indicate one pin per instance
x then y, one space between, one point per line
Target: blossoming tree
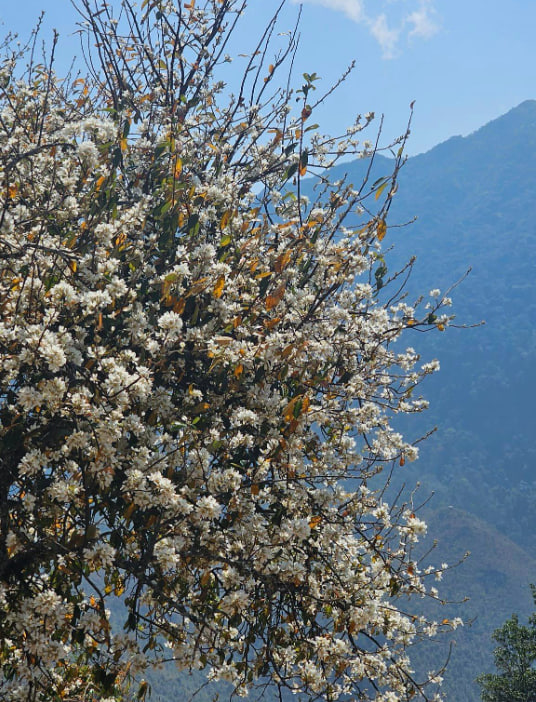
198 373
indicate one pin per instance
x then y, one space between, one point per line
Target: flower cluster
198 372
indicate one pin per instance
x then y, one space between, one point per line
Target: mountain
473 200
475 206
494 582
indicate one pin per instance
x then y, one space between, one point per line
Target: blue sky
464 62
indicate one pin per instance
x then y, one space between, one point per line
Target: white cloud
391 26
423 22
386 37
353 9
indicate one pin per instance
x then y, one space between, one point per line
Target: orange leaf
306 112
273 300
98 184
315 521
282 261
271 323
179 306
238 370
218 288
287 351
381 230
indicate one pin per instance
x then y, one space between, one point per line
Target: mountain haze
474 200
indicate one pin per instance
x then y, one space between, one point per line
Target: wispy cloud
422 19
353 9
397 21
387 37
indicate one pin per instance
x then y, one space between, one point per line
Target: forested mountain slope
474 200
475 203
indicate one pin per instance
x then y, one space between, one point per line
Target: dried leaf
282 261
381 230
218 288
273 300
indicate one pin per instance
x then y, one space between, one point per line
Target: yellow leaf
380 190
120 239
123 144
73 266
218 288
98 184
13 190
381 230
224 221
315 521
441 327
285 225
178 167
238 370
166 287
